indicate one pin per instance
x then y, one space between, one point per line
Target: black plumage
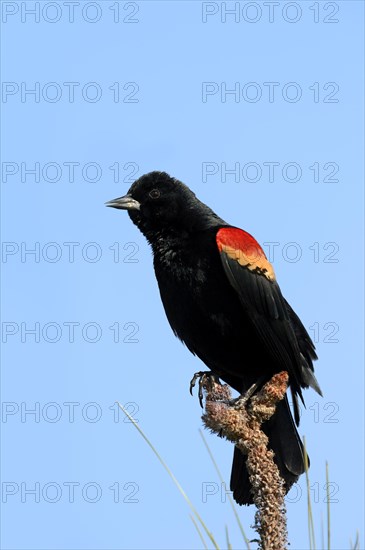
222 300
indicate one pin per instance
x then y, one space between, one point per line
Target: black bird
222 300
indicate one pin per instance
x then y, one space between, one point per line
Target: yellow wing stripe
253 259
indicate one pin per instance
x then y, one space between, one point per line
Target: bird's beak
124 203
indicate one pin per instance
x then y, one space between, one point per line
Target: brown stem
240 422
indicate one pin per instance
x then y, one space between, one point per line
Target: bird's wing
252 276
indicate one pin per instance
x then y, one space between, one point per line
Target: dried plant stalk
240 421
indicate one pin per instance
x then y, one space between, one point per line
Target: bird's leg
243 399
202 376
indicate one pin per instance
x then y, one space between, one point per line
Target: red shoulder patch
242 247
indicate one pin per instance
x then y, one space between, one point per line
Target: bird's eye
154 194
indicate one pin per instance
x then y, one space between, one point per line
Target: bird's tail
284 440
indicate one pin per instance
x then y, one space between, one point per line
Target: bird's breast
179 262
193 286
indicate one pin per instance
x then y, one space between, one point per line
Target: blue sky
260 112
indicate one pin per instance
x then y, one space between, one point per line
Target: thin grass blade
229 545
312 540
182 492
247 542
199 532
328 509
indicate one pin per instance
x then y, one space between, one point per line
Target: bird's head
157 202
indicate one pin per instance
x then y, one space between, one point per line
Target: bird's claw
199 375
203 376
243 399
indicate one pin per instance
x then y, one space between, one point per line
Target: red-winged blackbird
222 300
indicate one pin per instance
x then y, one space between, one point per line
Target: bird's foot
242 400
204 377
